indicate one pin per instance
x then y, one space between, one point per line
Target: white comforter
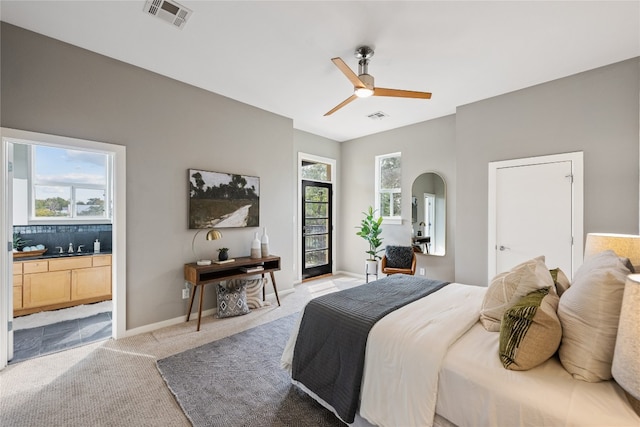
404 353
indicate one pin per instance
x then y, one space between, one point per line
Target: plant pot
371 266
223 255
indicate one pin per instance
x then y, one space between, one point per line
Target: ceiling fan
363 81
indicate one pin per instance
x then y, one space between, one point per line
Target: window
313 171
69 184
388 187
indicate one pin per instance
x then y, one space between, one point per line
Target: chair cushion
399 256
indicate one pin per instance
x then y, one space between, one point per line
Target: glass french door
316 229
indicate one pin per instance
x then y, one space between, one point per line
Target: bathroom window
69 184
388 187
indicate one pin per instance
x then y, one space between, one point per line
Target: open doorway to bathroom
67 277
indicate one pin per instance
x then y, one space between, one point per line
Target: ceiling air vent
378 115
169 11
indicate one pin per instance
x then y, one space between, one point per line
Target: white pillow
507 288
589 312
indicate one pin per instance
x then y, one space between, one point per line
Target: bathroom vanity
50 283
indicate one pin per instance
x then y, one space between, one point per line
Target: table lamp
211 235
626 357
624 245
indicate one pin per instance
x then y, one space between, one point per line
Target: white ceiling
276 55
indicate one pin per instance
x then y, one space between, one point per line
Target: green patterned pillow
232 301
560 280
530 331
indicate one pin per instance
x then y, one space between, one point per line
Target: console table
201 275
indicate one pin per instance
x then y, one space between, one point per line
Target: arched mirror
428 214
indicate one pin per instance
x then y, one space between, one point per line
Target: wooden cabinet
91 282
41 285
40 289
17 285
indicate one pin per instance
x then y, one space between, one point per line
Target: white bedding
434 356
475 390
412 340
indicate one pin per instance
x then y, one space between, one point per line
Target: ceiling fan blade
353 77
342 104
380 91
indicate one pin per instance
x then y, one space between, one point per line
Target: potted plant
223 254
18 242
370 231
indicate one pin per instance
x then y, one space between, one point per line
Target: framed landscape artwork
223 200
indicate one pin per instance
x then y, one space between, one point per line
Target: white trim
6 266
577 201
119 258
297 244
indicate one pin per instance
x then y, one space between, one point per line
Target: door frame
297 244
577 204
118 272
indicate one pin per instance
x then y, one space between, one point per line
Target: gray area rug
237 381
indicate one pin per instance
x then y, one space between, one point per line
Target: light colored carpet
115 383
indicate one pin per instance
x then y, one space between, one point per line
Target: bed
432 362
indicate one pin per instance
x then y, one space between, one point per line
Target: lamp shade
626 357
211 235
624 245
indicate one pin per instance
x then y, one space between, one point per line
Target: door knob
503 248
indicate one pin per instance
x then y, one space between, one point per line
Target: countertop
62 255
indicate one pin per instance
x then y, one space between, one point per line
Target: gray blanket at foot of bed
328 357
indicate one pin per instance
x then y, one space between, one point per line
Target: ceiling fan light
363 92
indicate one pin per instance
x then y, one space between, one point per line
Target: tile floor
34 342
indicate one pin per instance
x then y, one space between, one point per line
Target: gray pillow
399 256
232 301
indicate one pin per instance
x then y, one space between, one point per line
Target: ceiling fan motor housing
367 79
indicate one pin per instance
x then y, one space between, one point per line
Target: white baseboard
181 319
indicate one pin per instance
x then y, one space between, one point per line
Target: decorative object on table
18 242
370 231
223 254
211 235
223 200
96 246
264 243
256 251
232 299
624 245
626 356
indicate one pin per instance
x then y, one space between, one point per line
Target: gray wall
595 112
168 127
425 147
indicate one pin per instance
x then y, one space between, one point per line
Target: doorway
316 229
536 208
118 206
316 212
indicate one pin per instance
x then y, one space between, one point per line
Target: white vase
264 246
255 247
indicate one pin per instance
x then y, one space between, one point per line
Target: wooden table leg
275 289
193 294
200 306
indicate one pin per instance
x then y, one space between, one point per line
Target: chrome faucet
70 248
61 251
80 248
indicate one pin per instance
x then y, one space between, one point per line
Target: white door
535 213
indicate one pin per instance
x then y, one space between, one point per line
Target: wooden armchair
398 259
